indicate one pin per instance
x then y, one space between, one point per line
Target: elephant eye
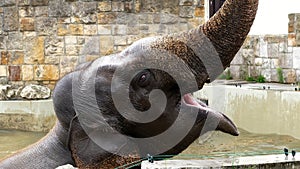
144 78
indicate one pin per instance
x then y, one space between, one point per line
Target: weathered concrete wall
264 54
42 40
254 162
257 111
27 115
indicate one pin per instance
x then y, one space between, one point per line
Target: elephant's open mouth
211 117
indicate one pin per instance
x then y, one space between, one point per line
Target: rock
33 92
3 91
68 166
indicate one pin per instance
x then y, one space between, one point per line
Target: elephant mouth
224 123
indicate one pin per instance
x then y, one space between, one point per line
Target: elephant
120 108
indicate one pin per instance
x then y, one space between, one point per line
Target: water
218 145
13 140
221 145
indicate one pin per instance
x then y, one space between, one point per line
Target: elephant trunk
229 27
209 49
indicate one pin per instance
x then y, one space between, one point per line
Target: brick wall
42 40
264 54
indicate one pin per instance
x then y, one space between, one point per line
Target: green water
13 140
221 145
217 145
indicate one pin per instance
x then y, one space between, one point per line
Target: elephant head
120 108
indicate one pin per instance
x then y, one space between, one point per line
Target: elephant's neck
50 152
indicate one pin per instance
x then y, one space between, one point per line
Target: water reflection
13 140
219 145
224 145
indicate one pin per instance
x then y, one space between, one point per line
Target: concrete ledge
36 115
262 162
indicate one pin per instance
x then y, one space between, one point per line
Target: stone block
121 18
39 2
286 60
273 50
106 45
298 75
258 61
82 9
137 6
76 29
104 29
7 3
186 11
3 71
132 19
34 50
46 72
89 19
27 72
296 58
247 53
2 42
290 76
263 52
235 72
298 39
23 2
68 64
146 18
105 6
120 40
14 41
58 8
26 24
14 73
5 55
153 6
133 30
118 6
71 40
62 30
199 12
54 46
91 46
90 29
267 73
41 11
52 59
106 18
292 39
73 50
170 7
119 29
168 19
17 58
186 2
46 26
10 19
26 11
129 6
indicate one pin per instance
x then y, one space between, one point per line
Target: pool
13 140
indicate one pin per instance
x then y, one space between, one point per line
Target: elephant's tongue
225 124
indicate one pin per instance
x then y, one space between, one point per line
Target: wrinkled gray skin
226 31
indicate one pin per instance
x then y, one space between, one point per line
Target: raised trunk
210 48
48 153
229 27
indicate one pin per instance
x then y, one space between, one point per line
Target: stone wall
265 54
42 40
